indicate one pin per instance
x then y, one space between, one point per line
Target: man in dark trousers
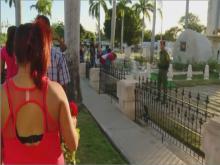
92 52
163 66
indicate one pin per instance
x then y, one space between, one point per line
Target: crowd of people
35 111
97 54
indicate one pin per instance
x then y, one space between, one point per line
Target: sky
172 11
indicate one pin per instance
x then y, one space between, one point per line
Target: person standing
36 113
163 65
7 56
92 52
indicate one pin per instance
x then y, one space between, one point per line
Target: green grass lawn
180 80
94 146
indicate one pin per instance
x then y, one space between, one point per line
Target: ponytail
33 47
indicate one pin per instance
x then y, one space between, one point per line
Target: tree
132 27
17 4
3 38
171 34
58 31
143 7
193 23
121 9
94 11
72 40
147 35
43 7
113 24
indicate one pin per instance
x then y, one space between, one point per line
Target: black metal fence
109 76
174 113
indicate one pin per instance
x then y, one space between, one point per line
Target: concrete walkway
136 143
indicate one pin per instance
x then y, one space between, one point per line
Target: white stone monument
170 73
206 73
148 71
189 72
127 52
192 47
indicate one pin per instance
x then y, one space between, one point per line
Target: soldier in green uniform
163 66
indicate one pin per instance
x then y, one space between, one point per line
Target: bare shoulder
55 90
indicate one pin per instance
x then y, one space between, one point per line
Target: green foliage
144 7
3 38
94 7
85 34
180 66
43 7
132 27
58 31
171 34
147 35
140 59
193 23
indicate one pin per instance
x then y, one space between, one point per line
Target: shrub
140 59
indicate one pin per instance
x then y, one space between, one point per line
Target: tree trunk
122 30
187 14
17 12
99 25
72 40
113 25
153 33
143 29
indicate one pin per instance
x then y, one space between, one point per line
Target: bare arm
67 124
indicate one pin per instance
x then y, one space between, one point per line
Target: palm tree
72 35
113 24
94 11
121 9
187 14
144 7
17 4
43 7
153 28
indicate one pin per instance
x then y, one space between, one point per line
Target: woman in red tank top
7 54
35 113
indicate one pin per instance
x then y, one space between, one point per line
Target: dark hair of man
10 40
44 18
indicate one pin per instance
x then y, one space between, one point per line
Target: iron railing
109 76
173 113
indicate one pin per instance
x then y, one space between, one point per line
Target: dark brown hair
32 47
10 40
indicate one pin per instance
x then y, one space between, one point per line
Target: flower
74 109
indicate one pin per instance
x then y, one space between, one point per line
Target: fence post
82 69
170 73
211 142
206 73
189 72
126 95
94 75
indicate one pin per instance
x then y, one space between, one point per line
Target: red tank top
48 151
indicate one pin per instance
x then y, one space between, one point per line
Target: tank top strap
12 114
45 90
